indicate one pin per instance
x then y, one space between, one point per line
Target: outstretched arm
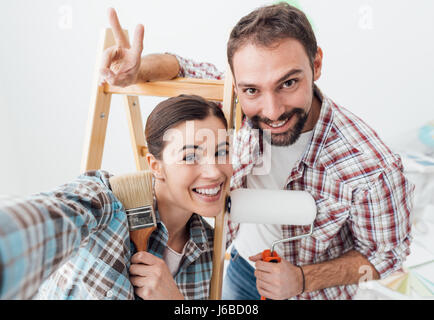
38 234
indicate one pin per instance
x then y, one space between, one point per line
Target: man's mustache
285 116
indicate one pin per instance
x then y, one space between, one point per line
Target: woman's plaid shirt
73 243
363 199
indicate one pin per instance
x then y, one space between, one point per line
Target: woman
77 235
191 175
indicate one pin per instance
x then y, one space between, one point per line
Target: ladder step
208 89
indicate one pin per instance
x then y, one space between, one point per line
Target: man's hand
277 281
152 279
121 63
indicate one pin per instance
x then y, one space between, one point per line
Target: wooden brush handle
140 238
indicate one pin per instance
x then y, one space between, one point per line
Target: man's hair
269 24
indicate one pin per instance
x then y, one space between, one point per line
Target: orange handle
267 256
140 238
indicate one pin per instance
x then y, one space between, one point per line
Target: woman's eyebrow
190 147
225 143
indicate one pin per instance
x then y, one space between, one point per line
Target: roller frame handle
272 257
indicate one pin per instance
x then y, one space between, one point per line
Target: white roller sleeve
289 207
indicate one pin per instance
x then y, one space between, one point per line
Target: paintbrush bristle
134 190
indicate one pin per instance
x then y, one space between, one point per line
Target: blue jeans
240 281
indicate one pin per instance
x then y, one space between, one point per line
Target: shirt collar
320 131
198 232
198 237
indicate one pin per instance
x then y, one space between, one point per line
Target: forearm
348 269
154 67
40 233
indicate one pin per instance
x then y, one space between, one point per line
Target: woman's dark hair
174 111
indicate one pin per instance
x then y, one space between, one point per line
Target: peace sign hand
121 62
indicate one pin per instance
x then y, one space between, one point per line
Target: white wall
377 62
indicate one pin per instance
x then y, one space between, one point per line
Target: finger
264 277
265 266
108 55
139 35
118 33
102 80
256 257
145 258
106 74
138 281
265 290
142 292
138 269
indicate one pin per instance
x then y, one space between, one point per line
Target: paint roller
263 206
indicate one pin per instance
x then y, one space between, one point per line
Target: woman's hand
152 279
121 62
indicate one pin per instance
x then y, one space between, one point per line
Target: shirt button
109 294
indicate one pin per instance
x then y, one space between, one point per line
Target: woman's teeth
278 124
209 192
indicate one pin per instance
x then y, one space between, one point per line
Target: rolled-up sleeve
381 220
40 232
189 68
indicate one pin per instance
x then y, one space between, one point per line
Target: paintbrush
134 191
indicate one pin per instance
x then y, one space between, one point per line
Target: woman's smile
208 193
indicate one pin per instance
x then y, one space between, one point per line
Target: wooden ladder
216 90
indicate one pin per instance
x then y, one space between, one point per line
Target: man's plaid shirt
363 199
73 243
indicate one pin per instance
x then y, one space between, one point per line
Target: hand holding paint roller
275 207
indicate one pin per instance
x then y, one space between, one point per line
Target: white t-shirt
173 258
255 238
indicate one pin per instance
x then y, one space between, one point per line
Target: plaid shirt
363 198
73 243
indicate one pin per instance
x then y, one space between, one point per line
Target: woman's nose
210 170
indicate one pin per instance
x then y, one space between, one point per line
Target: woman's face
196 167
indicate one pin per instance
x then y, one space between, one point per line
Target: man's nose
272 107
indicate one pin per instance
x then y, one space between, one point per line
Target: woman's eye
222 153
289 83
190 158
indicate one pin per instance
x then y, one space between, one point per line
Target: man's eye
250 91
289 83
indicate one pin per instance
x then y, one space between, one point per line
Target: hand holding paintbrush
135 192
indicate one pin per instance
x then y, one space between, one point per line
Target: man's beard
285 138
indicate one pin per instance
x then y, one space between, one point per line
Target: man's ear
155 166
234 84
317 64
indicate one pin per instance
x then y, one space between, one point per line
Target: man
362 230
